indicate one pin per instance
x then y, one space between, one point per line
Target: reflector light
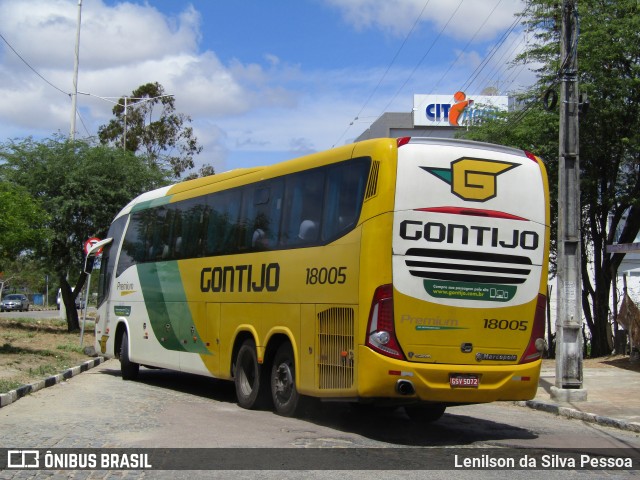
532 353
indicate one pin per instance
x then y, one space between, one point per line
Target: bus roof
234 177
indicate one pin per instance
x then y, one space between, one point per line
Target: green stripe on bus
156 202
167 308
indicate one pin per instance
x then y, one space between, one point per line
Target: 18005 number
323 275
495 324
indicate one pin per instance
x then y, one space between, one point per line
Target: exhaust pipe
405 387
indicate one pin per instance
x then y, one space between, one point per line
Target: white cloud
121 47
398 16
269 106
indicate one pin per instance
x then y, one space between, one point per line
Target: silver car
15 302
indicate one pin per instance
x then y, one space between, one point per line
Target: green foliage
24 273
8 385
70 347
165 137
21 222
81 187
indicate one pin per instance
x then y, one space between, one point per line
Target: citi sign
455 110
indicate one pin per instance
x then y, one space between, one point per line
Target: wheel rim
246 376
283 383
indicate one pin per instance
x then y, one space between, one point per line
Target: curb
13 395
578 415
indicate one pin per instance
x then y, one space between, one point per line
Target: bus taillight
403 141
536 342
381 335
531 156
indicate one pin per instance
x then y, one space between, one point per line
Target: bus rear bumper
380 377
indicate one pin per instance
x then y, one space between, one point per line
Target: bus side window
156 229
222 228
135 243
303 208
263 207
344 195
108 263
189 243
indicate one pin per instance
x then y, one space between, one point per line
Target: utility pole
568 385
76 62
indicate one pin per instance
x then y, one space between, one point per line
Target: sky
263 81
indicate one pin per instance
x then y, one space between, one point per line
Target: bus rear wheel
250 389
284 393
128 368
425 413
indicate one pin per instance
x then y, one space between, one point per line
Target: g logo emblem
472 179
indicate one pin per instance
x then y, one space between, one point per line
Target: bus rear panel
463 318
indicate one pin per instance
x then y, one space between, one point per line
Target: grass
33 349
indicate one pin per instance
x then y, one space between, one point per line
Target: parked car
15 302
79 299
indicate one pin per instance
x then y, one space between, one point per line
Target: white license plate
464 381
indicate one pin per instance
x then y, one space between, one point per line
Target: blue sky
263 81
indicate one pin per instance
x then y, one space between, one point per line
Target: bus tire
286 399
128 368
425 413
250 389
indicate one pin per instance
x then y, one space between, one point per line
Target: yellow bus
407 272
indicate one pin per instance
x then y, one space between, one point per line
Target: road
40 314
164 409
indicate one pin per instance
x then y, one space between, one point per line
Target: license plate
464 381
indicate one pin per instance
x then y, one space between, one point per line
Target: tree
24 273
609 74
21 222
81 187
204 171
165 138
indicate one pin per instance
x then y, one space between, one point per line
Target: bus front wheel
286 398
128 368
250 390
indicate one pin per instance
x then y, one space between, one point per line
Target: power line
466 46
489 56
384 75
496 70
30 67
393 59
404 84
569 58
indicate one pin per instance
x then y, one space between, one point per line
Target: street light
140 100
74 95
126 105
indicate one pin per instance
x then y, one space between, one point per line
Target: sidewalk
613 393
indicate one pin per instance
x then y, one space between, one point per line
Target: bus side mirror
93 252
88 263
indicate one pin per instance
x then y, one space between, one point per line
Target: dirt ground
31 350
611 361
618 361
